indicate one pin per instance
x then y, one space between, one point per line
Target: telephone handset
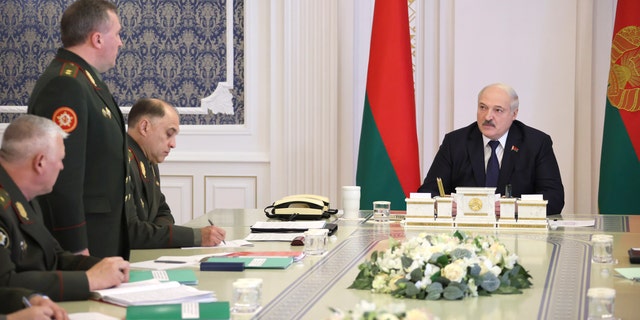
300 207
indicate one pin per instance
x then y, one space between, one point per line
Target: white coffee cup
351 202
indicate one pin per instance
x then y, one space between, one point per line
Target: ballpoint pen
211 223
26 302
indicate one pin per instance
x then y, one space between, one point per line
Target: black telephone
300 207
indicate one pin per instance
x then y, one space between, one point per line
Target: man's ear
144 126
38 163
96 39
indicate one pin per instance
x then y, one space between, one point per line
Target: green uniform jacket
29 255
151 224
12 299
86 207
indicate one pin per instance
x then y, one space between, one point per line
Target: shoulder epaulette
69 69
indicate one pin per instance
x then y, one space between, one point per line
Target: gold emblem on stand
475 204
21 210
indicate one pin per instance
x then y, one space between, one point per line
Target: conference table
559 261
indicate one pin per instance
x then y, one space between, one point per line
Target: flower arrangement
445 266
368 311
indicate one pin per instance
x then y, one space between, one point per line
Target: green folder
208 310
184 276
257 262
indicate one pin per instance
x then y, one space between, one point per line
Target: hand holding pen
212 236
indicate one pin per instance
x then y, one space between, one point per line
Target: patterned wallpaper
176 50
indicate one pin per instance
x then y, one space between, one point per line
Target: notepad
208 310
257 262
184 276
152 292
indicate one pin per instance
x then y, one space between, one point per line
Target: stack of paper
152 292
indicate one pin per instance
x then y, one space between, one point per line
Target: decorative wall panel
187 52
230 192
178 192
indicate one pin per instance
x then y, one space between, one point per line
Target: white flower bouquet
443 266
369 311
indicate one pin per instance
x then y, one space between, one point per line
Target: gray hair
28 135
515 102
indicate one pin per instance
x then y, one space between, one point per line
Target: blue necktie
493 167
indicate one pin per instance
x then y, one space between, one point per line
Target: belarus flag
620 160
388 164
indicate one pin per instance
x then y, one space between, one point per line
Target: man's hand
212 236
109 272
44 304
35 313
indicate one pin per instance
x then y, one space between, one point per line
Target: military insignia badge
22 211
93 82
143 171
4 238
106 112
65 118
5 199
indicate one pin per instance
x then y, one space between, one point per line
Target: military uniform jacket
30 257
86 207
151 224
12 299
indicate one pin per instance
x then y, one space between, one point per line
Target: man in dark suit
153 127
524 155
30 161
85 211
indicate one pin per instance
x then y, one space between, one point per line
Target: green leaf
460 235
508 290
411 289
416 274
361 284
434 291
452 293
406 262
460 253
474 270
489 282
442 261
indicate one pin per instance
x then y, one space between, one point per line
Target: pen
26 302
211 223
168 261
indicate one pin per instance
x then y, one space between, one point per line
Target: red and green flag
388 163
620 160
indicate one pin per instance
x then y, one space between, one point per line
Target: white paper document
152 292
268 236
227 244
572 223
90 316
